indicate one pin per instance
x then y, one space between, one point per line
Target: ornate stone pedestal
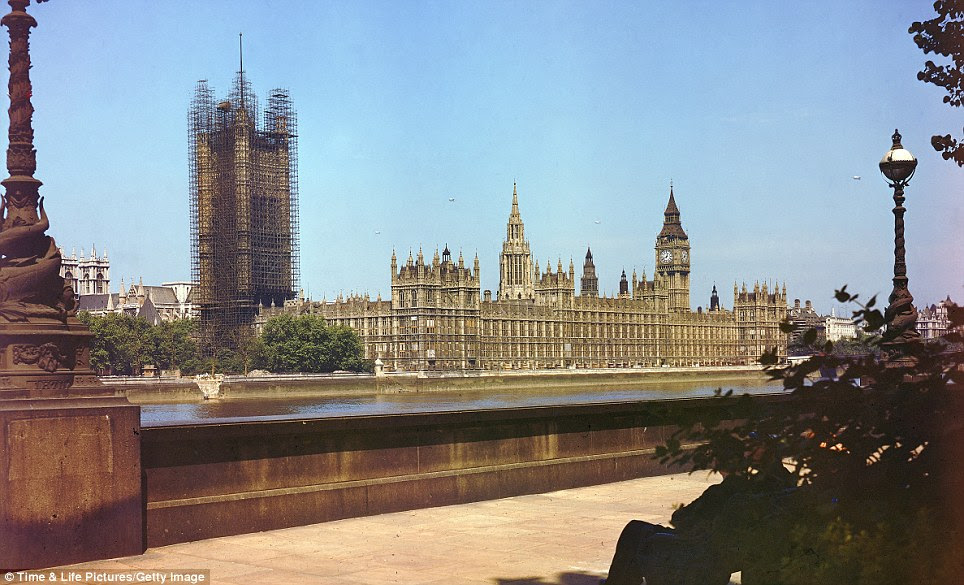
70 481
47 361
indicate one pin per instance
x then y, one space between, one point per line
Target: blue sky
760 114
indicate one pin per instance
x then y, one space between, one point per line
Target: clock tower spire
673 257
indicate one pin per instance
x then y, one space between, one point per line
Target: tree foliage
307 344
944 35
874 451
120 343
124 344
173 345
863 344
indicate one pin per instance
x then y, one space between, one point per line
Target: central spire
672 228
241 66
515 274
515 201
515 229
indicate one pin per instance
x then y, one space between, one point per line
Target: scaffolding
244 209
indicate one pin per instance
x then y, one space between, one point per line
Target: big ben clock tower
673 258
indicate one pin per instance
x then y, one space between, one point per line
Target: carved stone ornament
80 359
46 356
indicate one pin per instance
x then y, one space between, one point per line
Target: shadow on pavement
561 579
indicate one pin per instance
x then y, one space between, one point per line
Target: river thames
229 410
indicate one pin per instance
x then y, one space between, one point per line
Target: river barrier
231 477
234 465
174 390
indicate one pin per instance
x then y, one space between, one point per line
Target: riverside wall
159 390
222 478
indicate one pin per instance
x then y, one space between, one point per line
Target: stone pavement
559 538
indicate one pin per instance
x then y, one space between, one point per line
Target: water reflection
319 407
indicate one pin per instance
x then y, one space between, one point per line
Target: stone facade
437 319
837 328
87 275
168 302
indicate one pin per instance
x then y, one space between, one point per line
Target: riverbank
167 390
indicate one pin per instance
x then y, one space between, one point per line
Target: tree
944 36
172 345
120 344
875 466
307 344
863 344
248 354
123 344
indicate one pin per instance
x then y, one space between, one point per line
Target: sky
762 115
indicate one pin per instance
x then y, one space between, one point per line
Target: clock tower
673 258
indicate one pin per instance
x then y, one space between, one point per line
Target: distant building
168 302
837 328
87 275
803 318
437 319
624 285
932 321
589 285
714 300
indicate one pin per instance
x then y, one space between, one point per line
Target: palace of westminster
245 267
439 319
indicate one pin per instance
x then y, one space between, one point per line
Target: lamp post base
47 360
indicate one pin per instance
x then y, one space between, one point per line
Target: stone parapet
70 481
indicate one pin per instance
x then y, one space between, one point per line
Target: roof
672 228
161 295
95 302
149 313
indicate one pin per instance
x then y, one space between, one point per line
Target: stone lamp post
70 469
898 167
44 349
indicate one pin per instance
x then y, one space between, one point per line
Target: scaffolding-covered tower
244 209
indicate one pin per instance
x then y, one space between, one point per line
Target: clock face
665 256
684 255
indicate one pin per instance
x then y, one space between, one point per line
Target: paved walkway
559 538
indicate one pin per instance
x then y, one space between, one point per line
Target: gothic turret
515 263
589 286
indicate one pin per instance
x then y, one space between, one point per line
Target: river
229 410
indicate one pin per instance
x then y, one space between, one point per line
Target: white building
838 328
932 321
